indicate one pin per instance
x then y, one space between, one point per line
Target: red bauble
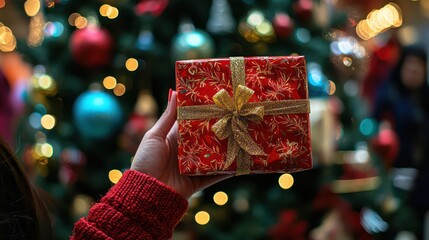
91 47
283 25
153 7
72 162
303 9
386 145
134 131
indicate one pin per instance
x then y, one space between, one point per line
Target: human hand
157 155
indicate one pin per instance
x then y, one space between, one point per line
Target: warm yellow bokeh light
48 121
38 150
47 150
202 217
255 18
286 181
220 198
379 20
32 7
7 39
112 13
103 9
109 82
45 82
81 22
265 28
119 89
72 18
332 87
115 175
2 3
131 64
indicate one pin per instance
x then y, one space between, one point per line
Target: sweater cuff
137 194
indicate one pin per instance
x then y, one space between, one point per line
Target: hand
157 155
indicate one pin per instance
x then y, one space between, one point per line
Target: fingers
174 131
172 145
163 126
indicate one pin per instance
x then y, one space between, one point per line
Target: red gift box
243 115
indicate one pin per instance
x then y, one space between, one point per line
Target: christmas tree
102 68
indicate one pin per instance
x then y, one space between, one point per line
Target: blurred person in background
403 102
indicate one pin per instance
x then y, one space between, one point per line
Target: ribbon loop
241 96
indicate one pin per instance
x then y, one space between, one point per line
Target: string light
46 150
72 18
379 20
131 64
332 87
119 90
108 11
32 7
109 82
202 217
103 9
220 198
112 13
47 121
286 181
7 39
81 22
115 175
45 81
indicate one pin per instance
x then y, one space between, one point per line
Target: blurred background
81 81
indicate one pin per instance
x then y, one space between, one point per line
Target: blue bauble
96 114
192 44
318 84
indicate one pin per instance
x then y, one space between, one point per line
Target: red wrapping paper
284 138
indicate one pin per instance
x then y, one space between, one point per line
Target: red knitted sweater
137 207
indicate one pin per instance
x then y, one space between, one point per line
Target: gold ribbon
234 113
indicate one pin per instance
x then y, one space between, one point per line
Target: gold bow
234 112
234 127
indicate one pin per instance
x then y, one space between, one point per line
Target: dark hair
23 215
415 51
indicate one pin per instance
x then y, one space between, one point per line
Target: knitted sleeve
137 207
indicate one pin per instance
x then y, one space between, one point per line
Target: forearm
137 207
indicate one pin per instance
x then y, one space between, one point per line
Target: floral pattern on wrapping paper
284 138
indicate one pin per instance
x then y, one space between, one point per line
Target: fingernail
169 94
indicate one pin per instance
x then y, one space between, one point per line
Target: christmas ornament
153 7
303 9
91 47
289 227
220 20
96 114
134 130
192 43
318 83
386 145
72 162
283 25
255 27
143 118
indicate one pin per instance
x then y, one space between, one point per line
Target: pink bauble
283 25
